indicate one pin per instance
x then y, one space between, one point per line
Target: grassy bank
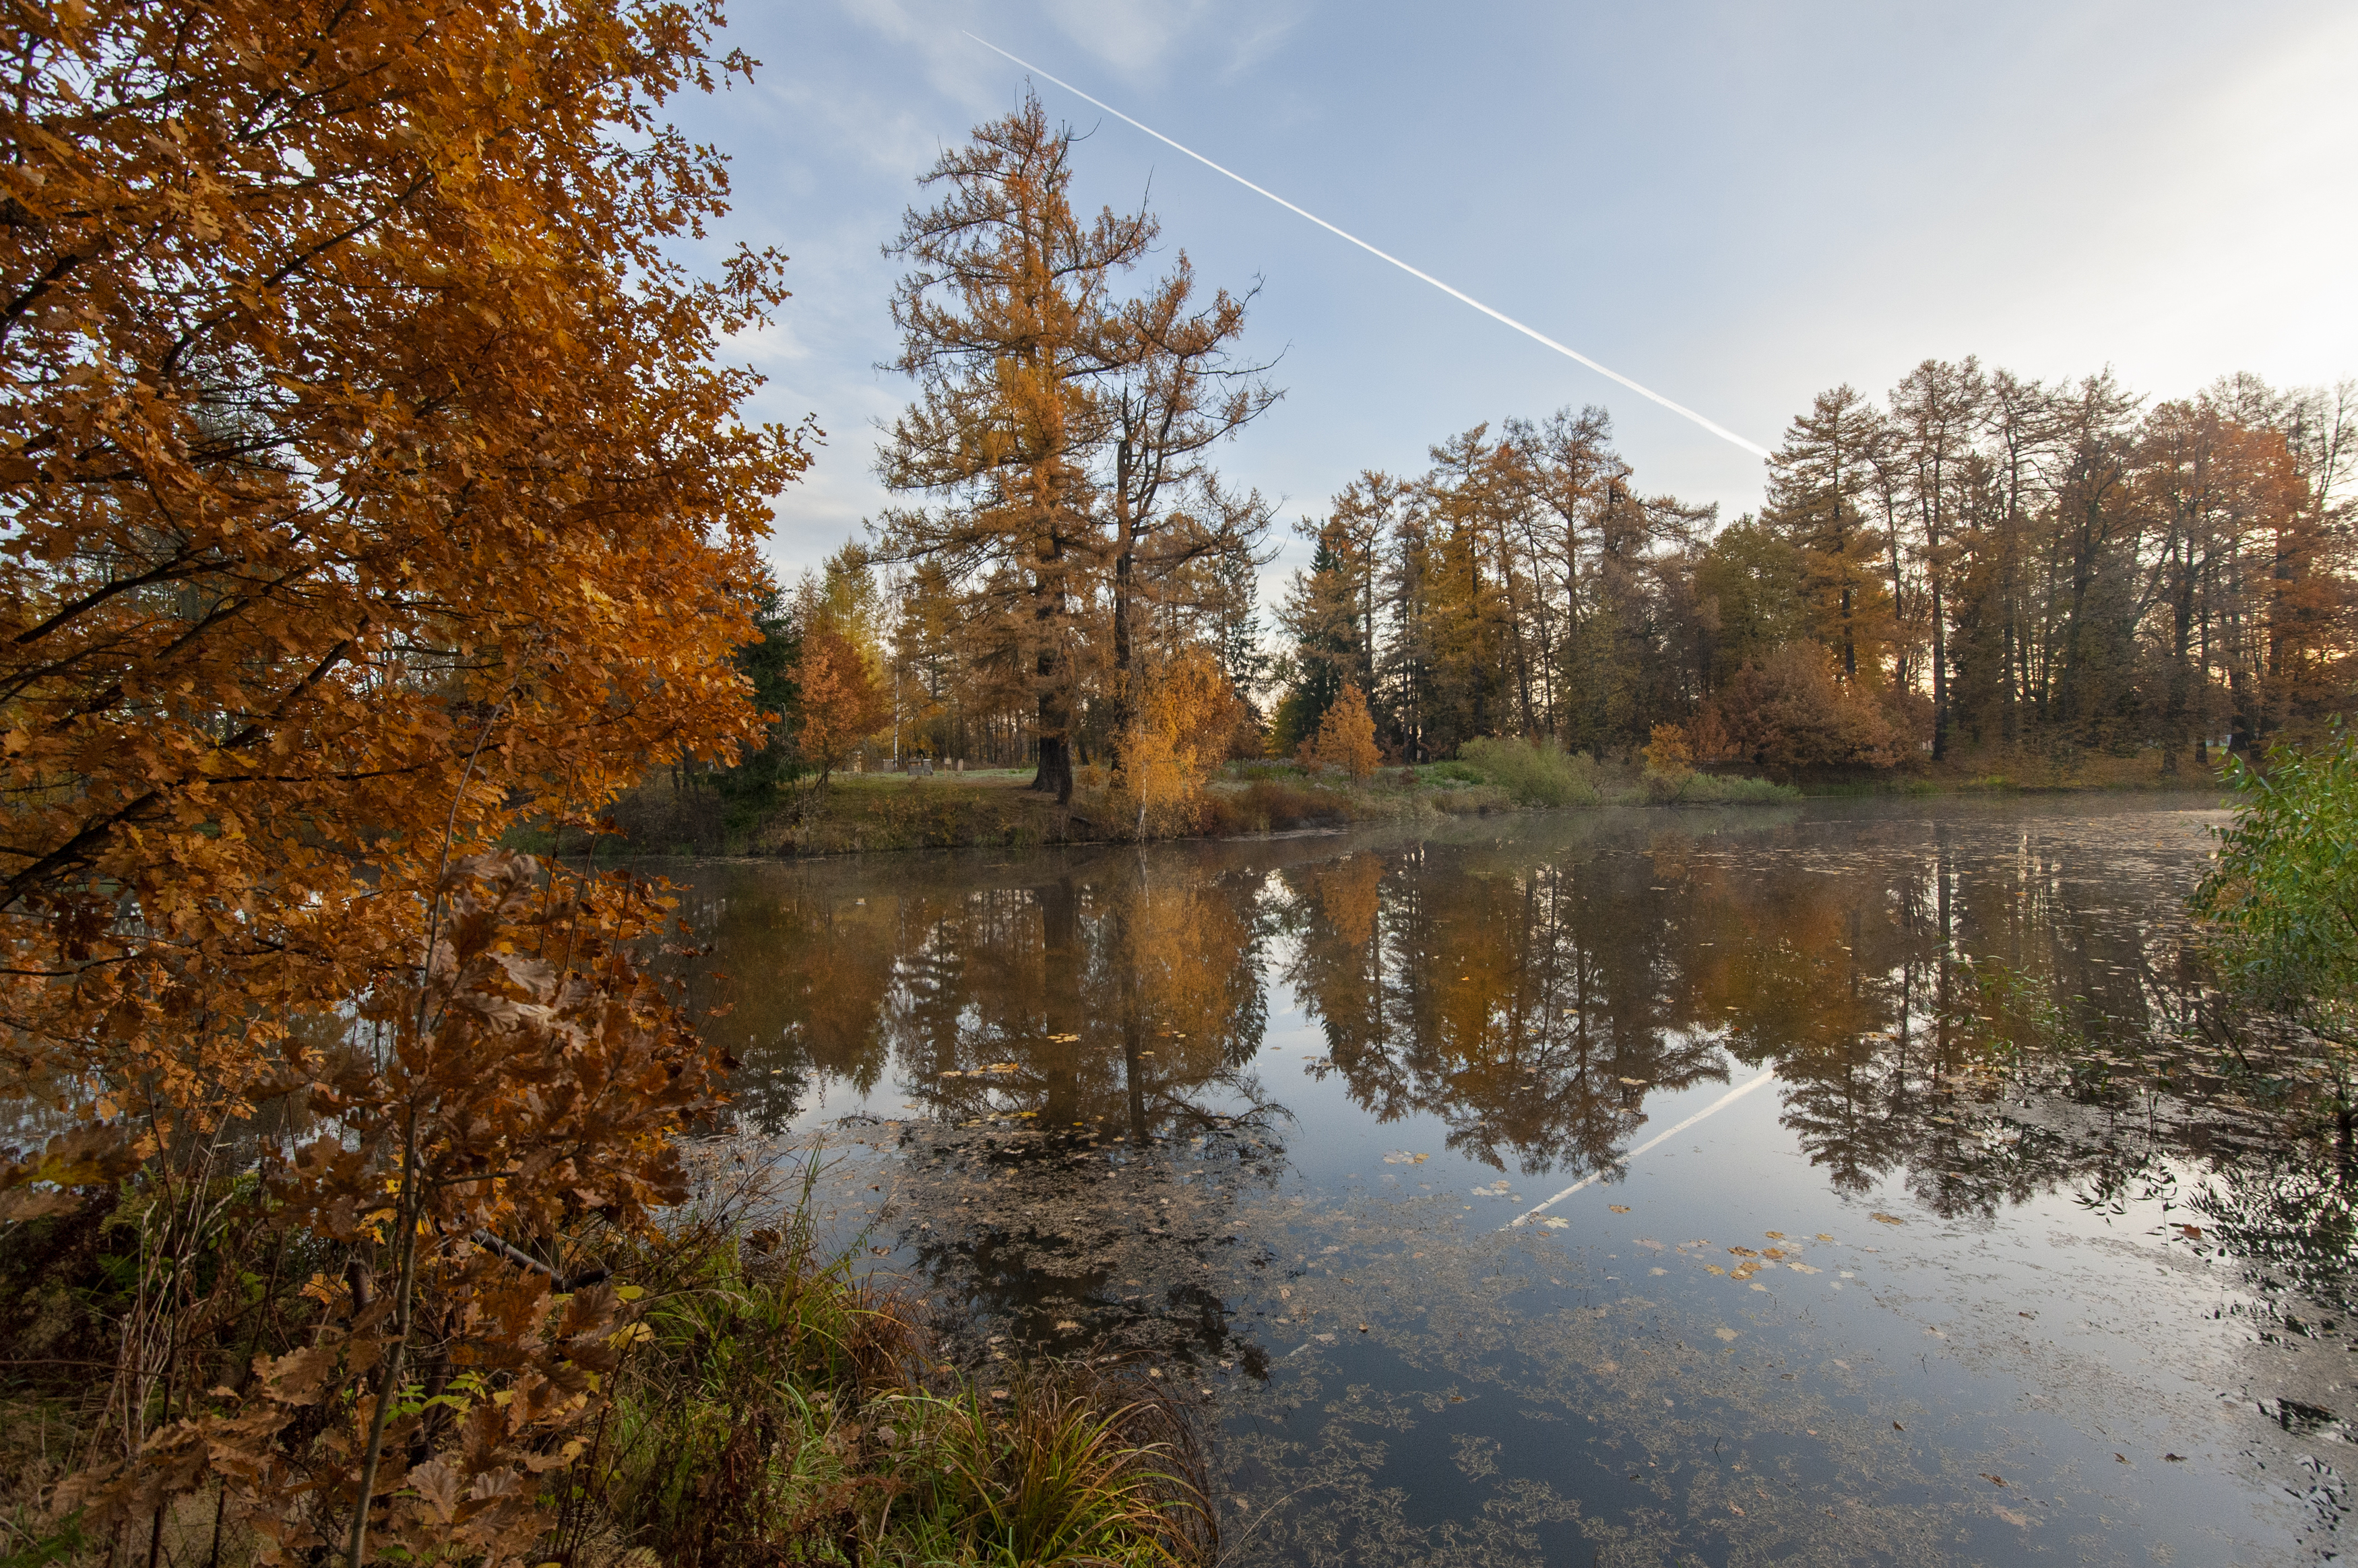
995 808
870 812
2060 770
769 1405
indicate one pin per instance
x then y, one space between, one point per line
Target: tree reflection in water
1969 1003
1080 1049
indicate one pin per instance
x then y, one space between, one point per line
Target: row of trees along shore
1985 562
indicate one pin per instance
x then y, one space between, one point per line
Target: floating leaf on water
1774 1235
1727 1334
1551 1222
1618 1207
1635 1083
1886 1219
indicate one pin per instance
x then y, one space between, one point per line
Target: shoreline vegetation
886 811
763 1400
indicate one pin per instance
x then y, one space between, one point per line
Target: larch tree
1004 315
1174 389
1061 443
1936 410
1816 480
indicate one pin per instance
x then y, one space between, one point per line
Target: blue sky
1736 205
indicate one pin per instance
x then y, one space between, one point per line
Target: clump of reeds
779 1406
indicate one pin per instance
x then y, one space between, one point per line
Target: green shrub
1533 774
2281 899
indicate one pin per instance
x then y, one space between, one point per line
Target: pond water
1850 1182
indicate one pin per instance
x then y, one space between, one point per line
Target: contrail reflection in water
1722 1103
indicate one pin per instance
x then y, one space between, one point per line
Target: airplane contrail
1722 431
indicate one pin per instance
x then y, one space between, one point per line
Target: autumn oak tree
370 486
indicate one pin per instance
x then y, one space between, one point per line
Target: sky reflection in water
1982 1276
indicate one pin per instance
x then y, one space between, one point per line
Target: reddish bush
1793 712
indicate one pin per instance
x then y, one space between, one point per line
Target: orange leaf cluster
369 484
371 490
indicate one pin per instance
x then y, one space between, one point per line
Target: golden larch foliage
1346 738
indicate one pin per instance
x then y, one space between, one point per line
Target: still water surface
1966 1272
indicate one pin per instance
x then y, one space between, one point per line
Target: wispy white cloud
1150 43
